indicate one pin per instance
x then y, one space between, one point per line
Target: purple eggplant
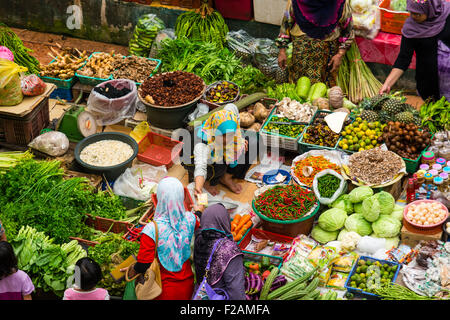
278 282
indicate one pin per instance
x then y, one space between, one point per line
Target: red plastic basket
104 224
391 21
188 203
85 242
159 150
264 235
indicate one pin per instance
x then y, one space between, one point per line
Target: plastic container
439 182
433 172
91 81
428 158
424 166
353 271
446 170
235 9
22 130
60 83
107 225
391 21
405 212
111 172
188 203
264 235
64 94
437 167
441 161
290 228
159 150
428 178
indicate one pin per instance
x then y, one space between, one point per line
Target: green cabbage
342 202
323 236
357 223
333 219
357 207
397 214
360 193
386 226
392 242
371 208
386 201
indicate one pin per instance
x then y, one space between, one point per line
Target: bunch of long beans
395 291
362 83
21 53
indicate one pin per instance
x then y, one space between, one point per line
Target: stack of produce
134 68
261 278
306 169
66 63
240 225
21 53
375 166
435 115
172 89
289 202
301 91
204 24
370 275
385 108
100 65
222 92
319 133
254 116
35 193
407 140
49 265
426 213
355 77
294 110
144 34
283 126
363 212
361 135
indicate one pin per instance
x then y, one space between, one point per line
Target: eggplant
278 282
247 284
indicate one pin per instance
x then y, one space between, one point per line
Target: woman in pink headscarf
427 33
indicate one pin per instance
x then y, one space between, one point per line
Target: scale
76 123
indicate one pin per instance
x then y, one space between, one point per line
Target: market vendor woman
221 155
321 32
427 33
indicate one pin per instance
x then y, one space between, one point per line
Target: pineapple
385 117
376 101
369 115
406 117
393 106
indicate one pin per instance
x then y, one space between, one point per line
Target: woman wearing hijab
425 32
175 231
321 32
221 155
226 270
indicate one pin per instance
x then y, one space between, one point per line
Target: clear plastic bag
342 186
144 34
53 143
111 111
139 181
200 111
266 60
5 53
32 85
371 245
367 24
242 44
162 35
10 86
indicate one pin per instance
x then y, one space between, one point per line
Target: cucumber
303 86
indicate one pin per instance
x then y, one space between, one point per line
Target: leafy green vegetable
387 202
357 223
333 219
371 208
343 202
357 207
386 226
323 236
360 193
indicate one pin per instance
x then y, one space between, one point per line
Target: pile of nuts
172 89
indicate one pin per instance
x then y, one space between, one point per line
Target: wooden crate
411 236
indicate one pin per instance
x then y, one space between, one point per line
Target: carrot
237 218
248 224
233 226
240 234
243 221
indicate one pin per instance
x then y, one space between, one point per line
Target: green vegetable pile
327 185
393 291
49 265
35 193
288 130
372 275
144 34
436 115
21 53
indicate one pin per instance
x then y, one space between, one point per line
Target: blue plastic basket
353 271
61 93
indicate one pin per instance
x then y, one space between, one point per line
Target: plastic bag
342 186
111 111
444 69
242 44
144 34
162 35
32 85
266 60
5 53
140 131
200 111
139 181
370 245
53 143
10 86
367 24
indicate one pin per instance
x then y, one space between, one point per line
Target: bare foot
211 189
228 182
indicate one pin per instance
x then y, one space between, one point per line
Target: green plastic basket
60 83
257 257
91 81
284 142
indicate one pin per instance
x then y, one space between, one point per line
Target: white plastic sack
111 111
53 143
342 186
139 181
200 111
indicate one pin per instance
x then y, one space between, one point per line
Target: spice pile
100 65
172 89
306 169
375 166
134 68
286 202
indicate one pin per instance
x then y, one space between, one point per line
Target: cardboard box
411 236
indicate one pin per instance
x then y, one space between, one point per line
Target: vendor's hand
282 59
131 273
385 89
335 62
197 191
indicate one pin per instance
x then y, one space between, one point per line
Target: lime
361 149
374 142
362 144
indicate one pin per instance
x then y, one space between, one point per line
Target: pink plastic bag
32 85
5 53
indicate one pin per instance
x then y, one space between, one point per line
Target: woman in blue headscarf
176 228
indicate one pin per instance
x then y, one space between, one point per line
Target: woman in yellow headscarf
221 155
